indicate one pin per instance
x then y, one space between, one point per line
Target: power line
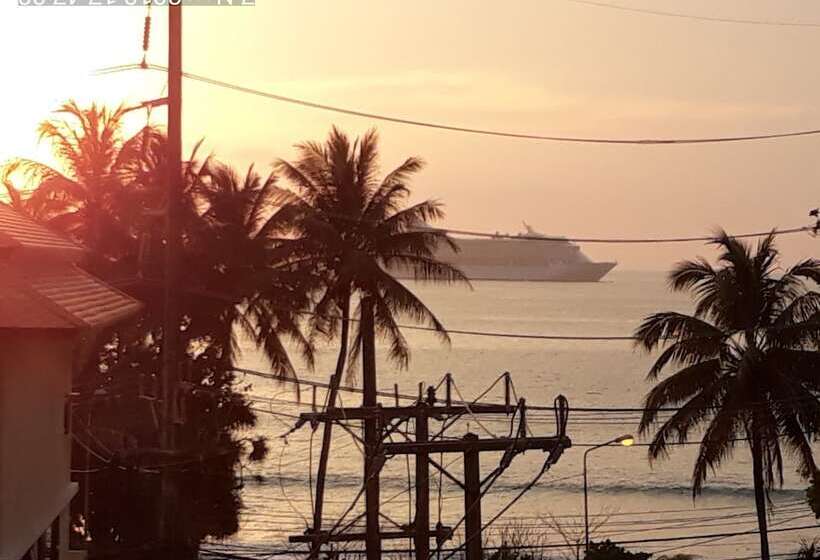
572 239
624 542
673 539
228 297
719 538
715 19
649 240
462 129
574 423
530 407
590 414
496 334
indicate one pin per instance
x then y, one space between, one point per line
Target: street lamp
625 440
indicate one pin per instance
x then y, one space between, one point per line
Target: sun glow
54 53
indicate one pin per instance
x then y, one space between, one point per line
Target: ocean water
630 498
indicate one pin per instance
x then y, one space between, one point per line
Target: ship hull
580 272
525 260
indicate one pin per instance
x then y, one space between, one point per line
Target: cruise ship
507 258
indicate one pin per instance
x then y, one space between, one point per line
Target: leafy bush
608 550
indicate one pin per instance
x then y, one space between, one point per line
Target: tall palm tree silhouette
748 359
84 199
360 234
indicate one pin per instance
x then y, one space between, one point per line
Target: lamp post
625 440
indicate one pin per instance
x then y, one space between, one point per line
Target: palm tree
748 362
13 196
238 253
809 550
109 193
359 233
359 236
94 155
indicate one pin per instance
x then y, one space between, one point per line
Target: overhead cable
716 19
616 240
464 129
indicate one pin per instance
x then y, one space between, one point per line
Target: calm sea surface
637 500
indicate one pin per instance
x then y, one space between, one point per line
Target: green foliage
253 257
809 550
813 495
259 449
88 197
746 364
110 195
506 552
519 541
607 550
359 232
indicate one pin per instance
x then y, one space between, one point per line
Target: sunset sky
552 67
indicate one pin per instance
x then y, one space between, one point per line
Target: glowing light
626 440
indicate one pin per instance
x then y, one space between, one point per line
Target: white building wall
35 451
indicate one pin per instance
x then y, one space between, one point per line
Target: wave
354 481
657 490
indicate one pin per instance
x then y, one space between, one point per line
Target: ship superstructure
553 259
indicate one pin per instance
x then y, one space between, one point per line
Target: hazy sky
550 66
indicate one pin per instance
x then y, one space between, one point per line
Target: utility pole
372 431
170 331
421 522
382 421
472 499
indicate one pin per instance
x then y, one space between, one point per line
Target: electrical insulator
146 34
146 37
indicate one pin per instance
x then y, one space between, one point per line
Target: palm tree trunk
335 381
760 493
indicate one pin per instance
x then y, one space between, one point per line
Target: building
50 313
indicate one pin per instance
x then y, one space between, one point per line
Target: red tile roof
50 291
89 301
21 308
60 297
18 232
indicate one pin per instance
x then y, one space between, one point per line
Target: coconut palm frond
718 441
748 362
677 327
360 234
691 275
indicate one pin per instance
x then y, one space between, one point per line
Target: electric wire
532 418
470 412
623 542
284 493
622 532
463 129
614 240
562 139
530 407
775 23
715 539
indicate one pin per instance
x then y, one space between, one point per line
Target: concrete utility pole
170 331
472 499
421 522
372 430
